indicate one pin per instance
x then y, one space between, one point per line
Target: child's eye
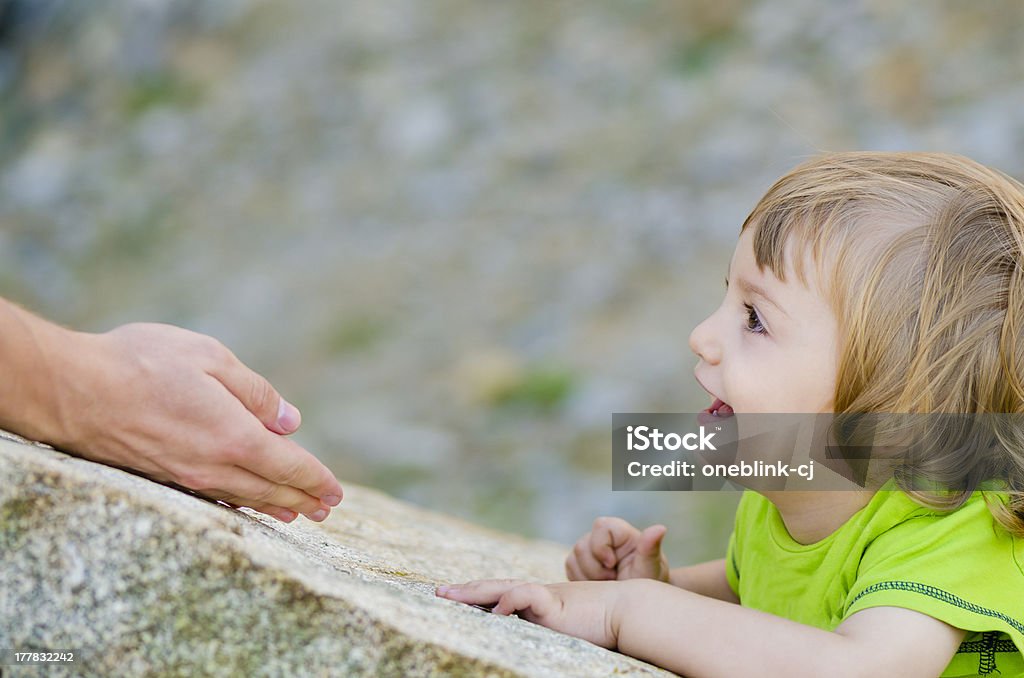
753 324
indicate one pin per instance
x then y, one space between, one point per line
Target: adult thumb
649 543
260 398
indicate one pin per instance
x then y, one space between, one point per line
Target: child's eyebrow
755 291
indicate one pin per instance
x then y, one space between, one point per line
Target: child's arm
699 636
707 579
614 549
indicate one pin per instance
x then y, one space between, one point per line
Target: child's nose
703 342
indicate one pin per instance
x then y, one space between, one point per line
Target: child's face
767 358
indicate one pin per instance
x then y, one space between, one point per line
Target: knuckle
212 351
260 393
212 347
229 453
225 454
609 524
292 471
235 446
265 493
306 504
532 590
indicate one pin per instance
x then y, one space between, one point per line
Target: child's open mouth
719 408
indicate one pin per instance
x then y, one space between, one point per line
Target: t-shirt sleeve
732 570
961 568
734 550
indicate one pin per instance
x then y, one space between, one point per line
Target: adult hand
614 549
172 404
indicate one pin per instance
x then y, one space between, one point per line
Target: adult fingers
245 488
260 490
256 393
283 462
279 512
275 458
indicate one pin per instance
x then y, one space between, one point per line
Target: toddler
861 282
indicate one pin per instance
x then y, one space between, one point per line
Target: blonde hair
924 254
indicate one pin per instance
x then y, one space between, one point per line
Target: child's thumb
650 540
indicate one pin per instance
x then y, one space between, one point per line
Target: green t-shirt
960 567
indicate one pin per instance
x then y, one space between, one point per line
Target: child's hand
581 609
614 549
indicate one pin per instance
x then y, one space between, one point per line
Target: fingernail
288 416
319 514
331 499
287 516
443 589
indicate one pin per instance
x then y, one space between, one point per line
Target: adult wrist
67 385
40 360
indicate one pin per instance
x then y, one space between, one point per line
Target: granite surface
142 579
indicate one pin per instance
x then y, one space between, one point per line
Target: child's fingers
587 562
608 536
649 543
572 569
507 595
535 598
480 592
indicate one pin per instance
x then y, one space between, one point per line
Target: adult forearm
698 636
33 355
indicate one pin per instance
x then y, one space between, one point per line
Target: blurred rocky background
458 234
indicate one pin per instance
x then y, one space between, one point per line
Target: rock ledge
142 579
